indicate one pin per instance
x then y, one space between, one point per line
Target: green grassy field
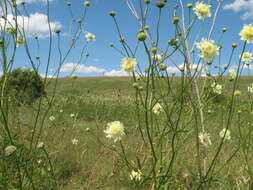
82 107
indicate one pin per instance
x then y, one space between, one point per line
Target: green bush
23 85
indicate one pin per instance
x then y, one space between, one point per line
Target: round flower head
135 175
90 37
250 88
217 88
205 139
226 136
115 130
247 57
128 64
202 10
157 109
247 33
208 50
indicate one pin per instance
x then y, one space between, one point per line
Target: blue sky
105 60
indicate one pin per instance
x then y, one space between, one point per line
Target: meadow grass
92 164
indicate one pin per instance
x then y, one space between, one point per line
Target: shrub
23 85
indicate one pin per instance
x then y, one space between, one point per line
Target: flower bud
175 20
141 36
146 27
234 45
135 84
86 3
147 1
57 31
224 29
154 50
112 13
160 4
189 5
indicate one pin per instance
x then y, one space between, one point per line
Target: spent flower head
128 64
208 50
202 10
205 138
247 33
90 37
20 41
225 133
115 130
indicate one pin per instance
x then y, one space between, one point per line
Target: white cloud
70 67
246 6
32 1
250 67
172 69
48 76
35 24
116 73
193 67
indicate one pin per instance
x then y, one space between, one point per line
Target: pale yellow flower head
51 118
247 33
9 150
250 88
90 37
202 10
247 57
115 130
226 136
157 109
208 50
128 64
75 141
217 88
232 73
158 58
204 138
135 175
